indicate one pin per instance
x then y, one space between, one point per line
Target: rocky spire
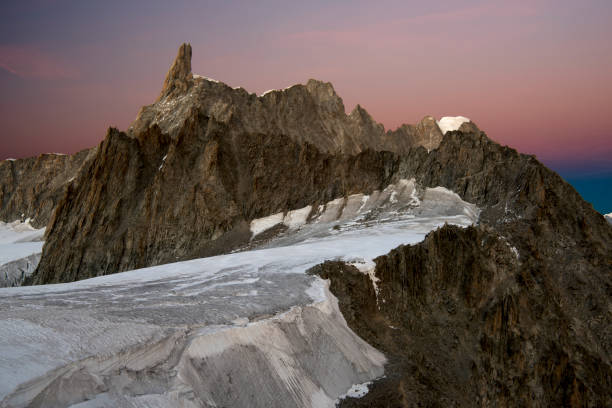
179 77
429 134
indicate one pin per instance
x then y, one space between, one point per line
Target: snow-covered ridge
608 217
451 123
398 198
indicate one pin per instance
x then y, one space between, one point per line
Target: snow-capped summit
451 123
608 217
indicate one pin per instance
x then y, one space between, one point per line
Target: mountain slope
203 161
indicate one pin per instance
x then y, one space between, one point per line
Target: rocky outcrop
312 113
156 199
179 77
513 312
465 320
32 187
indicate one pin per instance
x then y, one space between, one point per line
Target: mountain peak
325 95
179 77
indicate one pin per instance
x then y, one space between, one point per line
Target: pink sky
534 75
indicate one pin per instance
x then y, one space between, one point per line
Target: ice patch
356 391
162 163
275 90
293 220
260 225
19 240
296 218
450 123
515 252
368 267
332 210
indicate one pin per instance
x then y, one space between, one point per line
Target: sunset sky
535 75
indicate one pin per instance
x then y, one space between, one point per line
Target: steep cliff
32 187
466 321
204 160
514 312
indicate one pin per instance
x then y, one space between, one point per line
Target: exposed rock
465 321
179 77
155 199
32 187
311 113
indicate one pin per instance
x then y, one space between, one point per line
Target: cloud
30 63
436 26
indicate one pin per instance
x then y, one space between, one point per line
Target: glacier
249 328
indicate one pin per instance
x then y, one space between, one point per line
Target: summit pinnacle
179 77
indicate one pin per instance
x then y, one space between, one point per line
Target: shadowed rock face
153 199
466 322
32 187
511 313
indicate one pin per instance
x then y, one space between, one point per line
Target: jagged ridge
205 159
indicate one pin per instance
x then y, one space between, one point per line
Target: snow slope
20 248
243 329
608 217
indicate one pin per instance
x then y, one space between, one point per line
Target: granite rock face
312 113
179 77
203 161
514 312
32 187
465 320
155 199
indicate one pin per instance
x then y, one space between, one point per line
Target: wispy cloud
395 31
30 63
